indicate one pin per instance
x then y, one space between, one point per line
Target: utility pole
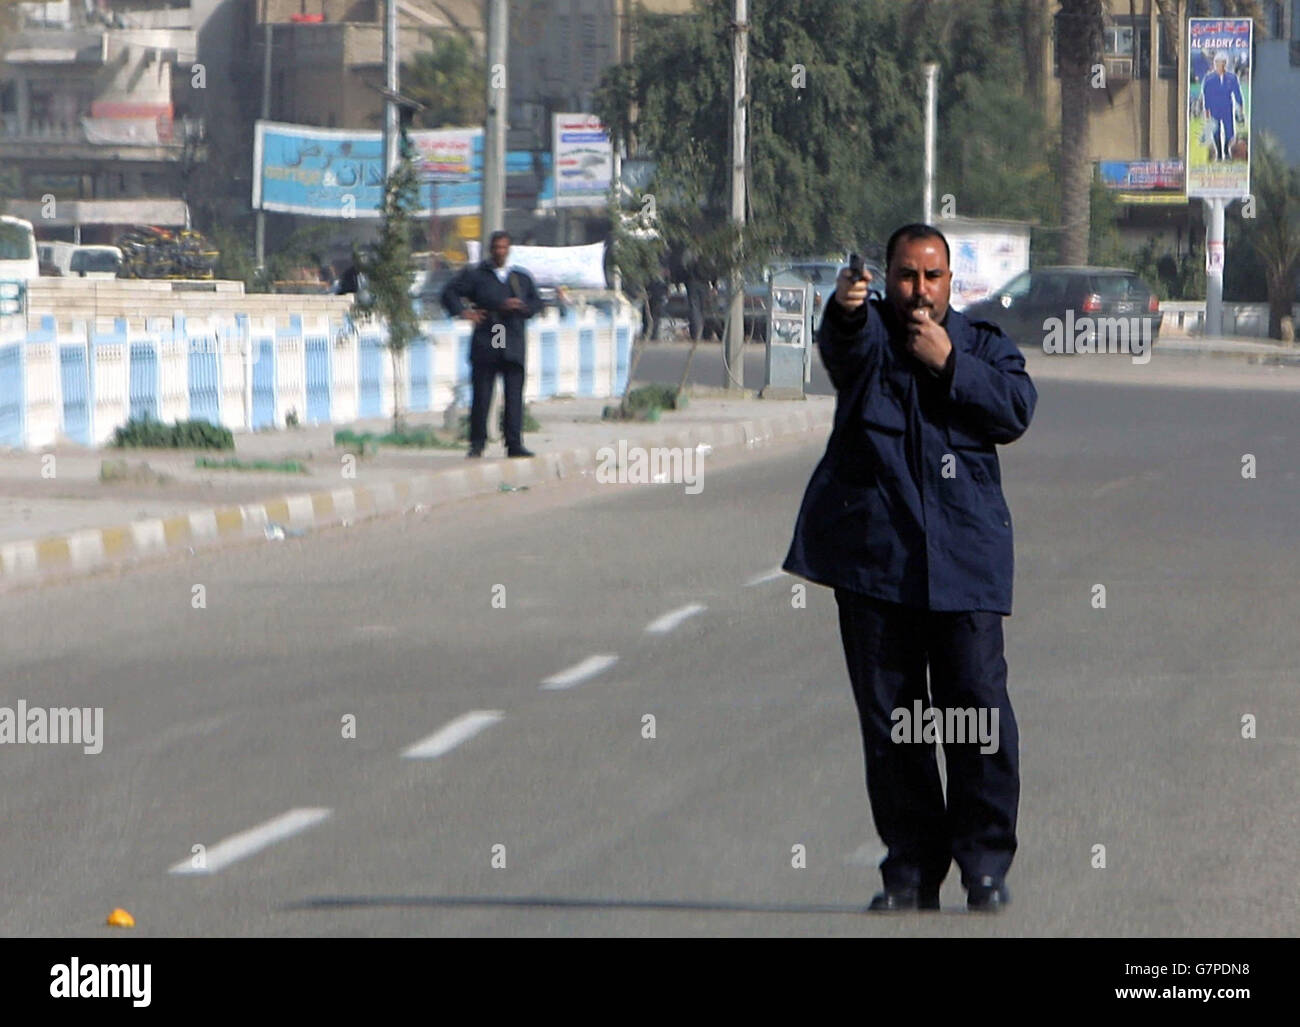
266 115
931 75
735 344
494 134
1214 207
618 210
390 83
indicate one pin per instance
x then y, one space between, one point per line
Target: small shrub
148 433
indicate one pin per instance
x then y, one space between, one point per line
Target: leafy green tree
835 120
1274 233
237 262
449 80
387 265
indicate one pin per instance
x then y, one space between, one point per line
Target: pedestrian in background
499 300
657 301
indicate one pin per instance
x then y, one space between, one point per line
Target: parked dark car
1025 306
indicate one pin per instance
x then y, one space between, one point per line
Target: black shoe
904 900
521 452
987 896
474 453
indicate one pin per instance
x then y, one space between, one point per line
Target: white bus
17 250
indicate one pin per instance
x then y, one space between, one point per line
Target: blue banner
339 173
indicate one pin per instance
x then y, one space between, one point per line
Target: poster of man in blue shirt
1221 96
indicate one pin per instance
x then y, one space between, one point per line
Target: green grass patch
231 464
645 403
418 437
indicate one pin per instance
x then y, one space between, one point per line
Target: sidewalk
57 518
1252 350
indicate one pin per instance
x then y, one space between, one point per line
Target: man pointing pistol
905 519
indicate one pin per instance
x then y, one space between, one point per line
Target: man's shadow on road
569 902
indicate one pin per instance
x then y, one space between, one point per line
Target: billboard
339 172
985 256
1218 107
584 160
446 155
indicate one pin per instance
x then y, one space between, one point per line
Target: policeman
905 519
499 299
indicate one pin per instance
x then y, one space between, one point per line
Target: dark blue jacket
479 286
880 515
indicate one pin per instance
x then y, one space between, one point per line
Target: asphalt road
226 718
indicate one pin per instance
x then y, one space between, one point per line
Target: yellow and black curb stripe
89 550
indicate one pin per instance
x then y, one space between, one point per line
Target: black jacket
479 286
885 513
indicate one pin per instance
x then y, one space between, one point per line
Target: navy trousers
483 374
888 648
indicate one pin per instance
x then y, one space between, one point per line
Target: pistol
856 270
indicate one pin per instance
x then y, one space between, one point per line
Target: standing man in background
905 518
499 299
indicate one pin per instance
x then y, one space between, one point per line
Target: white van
95 262
55 257
17 250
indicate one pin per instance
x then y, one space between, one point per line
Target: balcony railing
103 131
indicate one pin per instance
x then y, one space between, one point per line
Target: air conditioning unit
1119 69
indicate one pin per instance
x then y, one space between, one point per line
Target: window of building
1128 39
1273 21
1295 33
1168 66
1119 41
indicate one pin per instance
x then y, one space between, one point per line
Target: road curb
87 551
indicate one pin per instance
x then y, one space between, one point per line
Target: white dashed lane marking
670 620
580 672
452 734
237 846
763 579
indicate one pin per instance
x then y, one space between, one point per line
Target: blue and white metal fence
249 372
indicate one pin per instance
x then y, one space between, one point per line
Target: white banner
577 267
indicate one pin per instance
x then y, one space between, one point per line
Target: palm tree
1274 233
1079 36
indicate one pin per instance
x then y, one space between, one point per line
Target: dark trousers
483 374
888 648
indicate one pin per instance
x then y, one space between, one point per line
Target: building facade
97 122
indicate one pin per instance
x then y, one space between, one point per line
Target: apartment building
96 118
